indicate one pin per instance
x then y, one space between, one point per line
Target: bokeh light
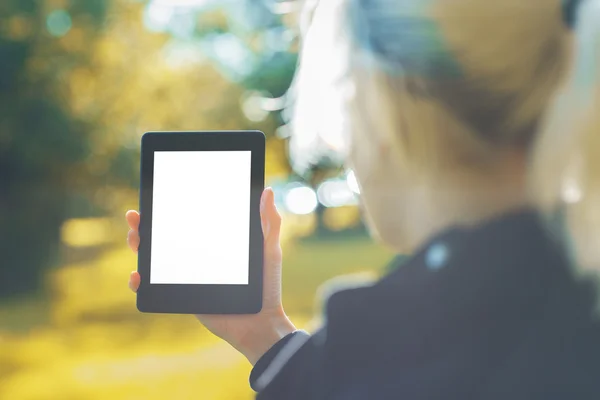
336 193
352 182
59 23
253 107
157 16
301 200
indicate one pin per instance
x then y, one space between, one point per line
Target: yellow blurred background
80 82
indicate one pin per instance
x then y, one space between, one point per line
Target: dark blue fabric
505 317
262 364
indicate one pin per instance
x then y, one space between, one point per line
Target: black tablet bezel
202 299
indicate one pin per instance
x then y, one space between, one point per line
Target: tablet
201 242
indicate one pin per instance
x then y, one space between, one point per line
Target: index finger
133 219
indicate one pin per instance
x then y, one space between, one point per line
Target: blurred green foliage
42 143
80 81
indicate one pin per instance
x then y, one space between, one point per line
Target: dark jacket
493 312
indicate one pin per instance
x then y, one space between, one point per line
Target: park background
80 82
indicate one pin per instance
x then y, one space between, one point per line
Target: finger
133 219
134 281
133 240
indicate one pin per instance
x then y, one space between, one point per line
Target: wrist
264 333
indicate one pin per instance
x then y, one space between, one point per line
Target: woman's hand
253 334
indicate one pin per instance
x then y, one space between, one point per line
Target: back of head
452 84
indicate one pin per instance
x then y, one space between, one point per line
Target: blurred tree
81 81
267 38
41 142
244 39
240 46
140 81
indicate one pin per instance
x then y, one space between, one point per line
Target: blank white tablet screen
200 217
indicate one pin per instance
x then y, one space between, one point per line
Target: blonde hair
453 82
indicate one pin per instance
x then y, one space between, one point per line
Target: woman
473 128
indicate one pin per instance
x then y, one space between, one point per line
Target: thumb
271 224
269 215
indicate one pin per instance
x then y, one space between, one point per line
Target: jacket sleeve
291 369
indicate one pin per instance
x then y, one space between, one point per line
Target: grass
89 342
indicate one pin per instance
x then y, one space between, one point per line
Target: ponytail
566 158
